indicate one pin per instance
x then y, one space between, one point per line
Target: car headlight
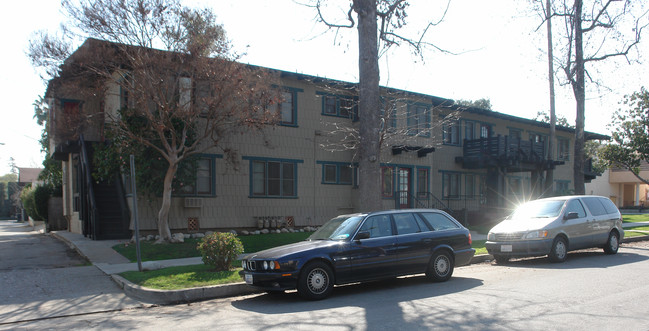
540 234
243 264
265 265
491 236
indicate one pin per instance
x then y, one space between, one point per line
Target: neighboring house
621 186
28 176
469 161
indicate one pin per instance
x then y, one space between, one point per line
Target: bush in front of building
220 249
35 199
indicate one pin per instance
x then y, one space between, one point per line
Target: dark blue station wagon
363 247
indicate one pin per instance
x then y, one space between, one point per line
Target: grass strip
635 218
175 278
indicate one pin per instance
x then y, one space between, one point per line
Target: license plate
248 278
505 248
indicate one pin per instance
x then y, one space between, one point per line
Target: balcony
511 154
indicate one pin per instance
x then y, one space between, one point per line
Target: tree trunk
163 214
549 176
369 106
579 89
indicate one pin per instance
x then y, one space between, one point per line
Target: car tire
613 243
559 250
316 281
440 267
501 259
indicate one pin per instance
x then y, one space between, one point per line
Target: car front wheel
316 281
559 251
612 244
440 267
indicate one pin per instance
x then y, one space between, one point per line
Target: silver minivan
554 226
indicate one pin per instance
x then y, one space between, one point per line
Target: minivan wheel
612 244
316 281
440 267
559 251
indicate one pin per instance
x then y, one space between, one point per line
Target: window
515 186
377 226
562 187
389 113
406 223
418 120
288 108
439 222
184 93
204 179
485 130
387 181
595 206
451 186
563 149
469 187
452 133
575 206
273 178
337 173
469 127
422 182
515 134
339 106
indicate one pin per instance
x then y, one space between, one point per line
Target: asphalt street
41 278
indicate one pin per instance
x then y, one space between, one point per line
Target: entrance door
403 182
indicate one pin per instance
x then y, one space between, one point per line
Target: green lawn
200 275
153 252
635 218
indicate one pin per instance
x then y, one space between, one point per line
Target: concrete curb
164 297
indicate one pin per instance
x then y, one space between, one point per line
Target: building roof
28 175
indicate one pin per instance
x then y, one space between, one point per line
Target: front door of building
404 189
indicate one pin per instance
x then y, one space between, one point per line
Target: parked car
363 247
554 226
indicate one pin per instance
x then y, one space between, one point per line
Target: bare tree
378 29
593 31
183 91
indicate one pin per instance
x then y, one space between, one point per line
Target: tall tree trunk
163 214
549 176
369 105
579 89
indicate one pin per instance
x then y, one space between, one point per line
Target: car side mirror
571 216
363 235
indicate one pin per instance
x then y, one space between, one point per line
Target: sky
495 50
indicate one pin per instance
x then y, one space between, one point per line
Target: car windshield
339 228
539 209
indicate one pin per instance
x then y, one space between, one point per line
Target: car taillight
470 241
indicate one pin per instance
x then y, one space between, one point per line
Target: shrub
42 195
220 249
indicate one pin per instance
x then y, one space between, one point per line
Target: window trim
294 94
212 159
266 160
338 166
416 128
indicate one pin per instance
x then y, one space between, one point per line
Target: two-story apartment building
469 161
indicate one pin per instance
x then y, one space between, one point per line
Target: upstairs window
452 133
287 108
563 149
418 120
338 105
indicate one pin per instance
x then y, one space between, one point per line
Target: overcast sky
499 56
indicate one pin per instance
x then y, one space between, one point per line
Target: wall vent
193 202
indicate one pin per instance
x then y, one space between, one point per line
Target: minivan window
595 206
378 226
539 209
609 205
406 223
439 221
575 206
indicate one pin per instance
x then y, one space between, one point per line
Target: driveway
41 277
